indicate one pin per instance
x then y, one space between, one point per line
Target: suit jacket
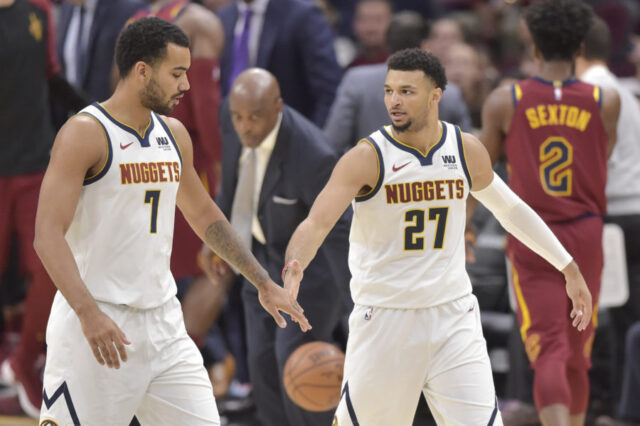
109 19
296 45
298 169
359 107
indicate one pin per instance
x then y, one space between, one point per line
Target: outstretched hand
274 299
580 296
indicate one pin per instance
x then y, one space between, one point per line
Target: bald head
255 104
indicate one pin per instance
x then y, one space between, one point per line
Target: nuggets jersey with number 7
407 235
122 231
557 148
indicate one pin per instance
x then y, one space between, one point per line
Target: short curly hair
558 27
146 40
415 59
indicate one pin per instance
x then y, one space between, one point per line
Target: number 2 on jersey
412 240
556 157
153 198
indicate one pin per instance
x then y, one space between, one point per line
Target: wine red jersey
557 148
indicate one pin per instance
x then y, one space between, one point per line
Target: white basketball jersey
407 245
122 231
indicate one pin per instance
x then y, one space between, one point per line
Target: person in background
29 77
293 40
275 163
370 25
623 174
556 133
87 39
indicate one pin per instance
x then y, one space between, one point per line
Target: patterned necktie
243 207
240 59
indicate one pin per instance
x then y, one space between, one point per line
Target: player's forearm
305 242
226 243
523 223
56 256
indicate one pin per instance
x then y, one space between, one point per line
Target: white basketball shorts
394 354
163 382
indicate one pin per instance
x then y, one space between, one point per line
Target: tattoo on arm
223 240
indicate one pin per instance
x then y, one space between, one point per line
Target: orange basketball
313 376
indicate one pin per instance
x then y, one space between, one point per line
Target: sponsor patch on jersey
48 422
163 143
369 314
449 162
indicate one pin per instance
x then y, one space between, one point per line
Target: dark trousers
629 406
269 347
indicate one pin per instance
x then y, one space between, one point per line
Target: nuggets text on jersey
428 190
149 172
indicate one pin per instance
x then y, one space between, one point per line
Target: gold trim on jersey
106 139
518 91
596 93
524 309
172 135
144 132
425 155
378 165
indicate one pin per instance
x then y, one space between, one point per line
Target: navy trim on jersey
376 188
463 157
600 97
566 82
494 414
144 141
347 398
170 133
513 95
107 163
63 390
425 160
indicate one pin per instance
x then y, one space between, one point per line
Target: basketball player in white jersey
416 326
104 232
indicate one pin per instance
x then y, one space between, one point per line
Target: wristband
286 267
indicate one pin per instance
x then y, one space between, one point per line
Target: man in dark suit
275 163
290 38
87 35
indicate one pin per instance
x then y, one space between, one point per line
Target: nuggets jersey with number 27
407 236
122 231
557 148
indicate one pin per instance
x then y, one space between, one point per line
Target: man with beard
104 230
416 325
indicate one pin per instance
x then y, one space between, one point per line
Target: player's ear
142 70
436 95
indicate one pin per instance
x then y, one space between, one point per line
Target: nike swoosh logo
395 169
126 146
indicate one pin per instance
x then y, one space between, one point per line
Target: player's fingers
121 350
104 351
277 317
298 316
96 353
113 352
123 337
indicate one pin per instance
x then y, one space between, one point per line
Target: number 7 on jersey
153 197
